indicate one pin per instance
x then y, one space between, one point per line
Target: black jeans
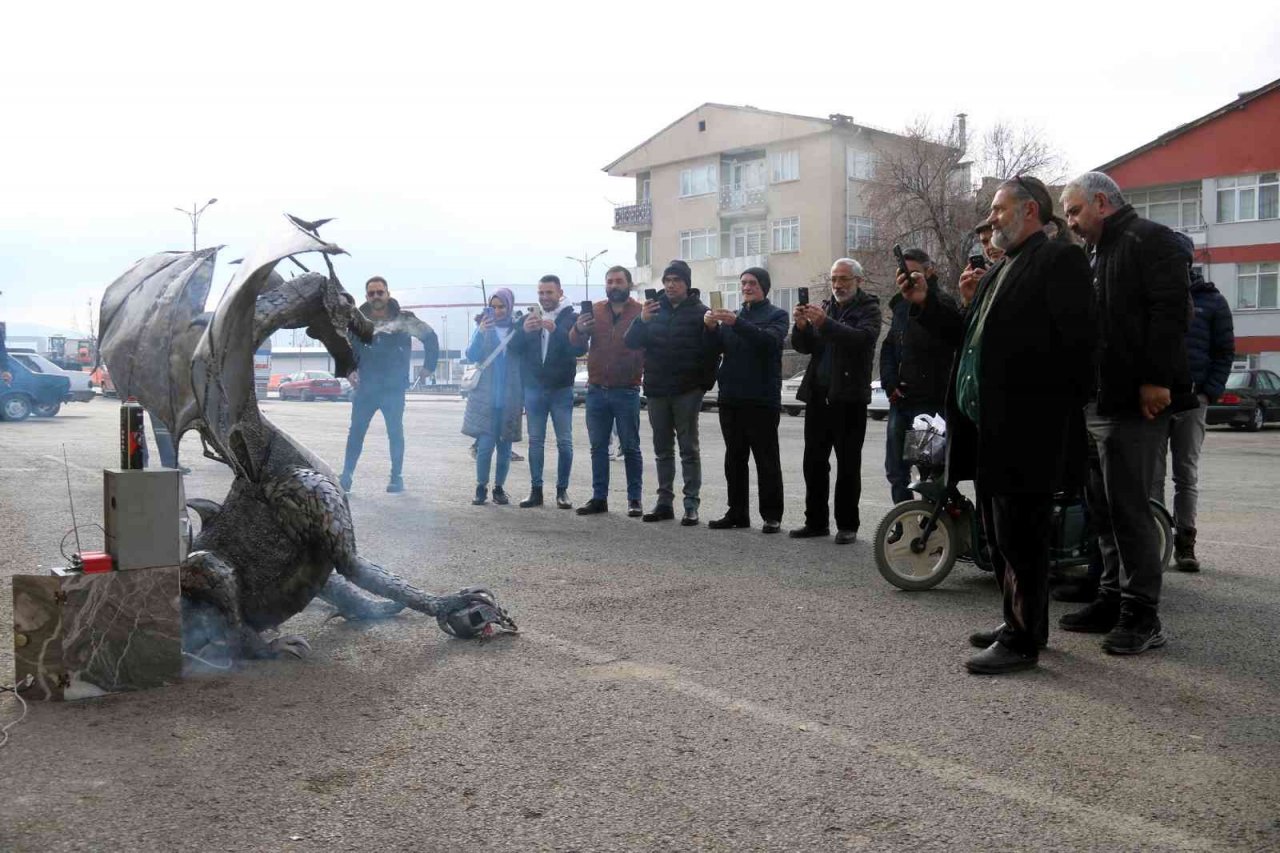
833 426
896 470
1018 528
748 431
363 407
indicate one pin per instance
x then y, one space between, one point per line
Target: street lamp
586 268
194 215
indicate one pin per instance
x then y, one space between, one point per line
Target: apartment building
727 187
1217 178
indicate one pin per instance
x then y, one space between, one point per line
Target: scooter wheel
906 561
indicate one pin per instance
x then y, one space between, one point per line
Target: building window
748 238
859 232
644 249
1177 207
699 244
783 297
700 180
784 166
1256 286
786 234
1243 199
861 165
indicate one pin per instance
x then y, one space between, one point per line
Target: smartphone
585 307
802 296
978 261
902 263
717 300
650 294
536 311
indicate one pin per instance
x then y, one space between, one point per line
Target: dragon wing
148 331
222 366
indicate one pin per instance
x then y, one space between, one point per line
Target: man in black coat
750 398
914 366
548 363
1140 280
679 368
840 338
1020 375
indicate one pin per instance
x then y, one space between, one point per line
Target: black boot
1184 550
500 496
482 495
562 499
534 499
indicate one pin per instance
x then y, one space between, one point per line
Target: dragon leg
353 603
208 579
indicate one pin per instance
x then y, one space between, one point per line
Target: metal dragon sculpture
274 543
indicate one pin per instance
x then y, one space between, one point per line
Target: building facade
1217 179
726 188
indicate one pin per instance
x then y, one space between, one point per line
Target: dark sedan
1252 399
29 392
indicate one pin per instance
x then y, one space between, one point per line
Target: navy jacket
676 356
912 359
751 372
850 332
384 363
561 364
1211 339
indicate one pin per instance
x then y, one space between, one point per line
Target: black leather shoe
728 522
808 532
562 499
660 513
534 499
500 496
634 510
983 639
998 659
482 496
771 527
690 518
593 506
844 537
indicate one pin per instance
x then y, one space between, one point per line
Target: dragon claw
291 644
474 612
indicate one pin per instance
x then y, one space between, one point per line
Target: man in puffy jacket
1211 344
840 338
750 399
679 367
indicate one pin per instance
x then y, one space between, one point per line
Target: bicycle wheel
908 563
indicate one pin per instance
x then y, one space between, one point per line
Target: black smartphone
802 296
902 262
585 308
651 295
978 261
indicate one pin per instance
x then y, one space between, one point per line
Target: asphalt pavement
673 689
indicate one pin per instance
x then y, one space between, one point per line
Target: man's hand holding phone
913 289
969 283
533 323
647 311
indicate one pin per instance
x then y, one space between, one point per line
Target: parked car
29 393
791 404
347 389
273 383
1251 399
101 379
311 385
580 388
81 391
879 408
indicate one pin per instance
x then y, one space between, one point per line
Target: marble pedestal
82 635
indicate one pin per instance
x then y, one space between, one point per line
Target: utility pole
444 326
194 215
586 260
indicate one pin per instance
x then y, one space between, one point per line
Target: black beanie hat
762 276
679 269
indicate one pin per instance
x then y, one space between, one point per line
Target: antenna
74 527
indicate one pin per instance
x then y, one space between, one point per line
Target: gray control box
142 512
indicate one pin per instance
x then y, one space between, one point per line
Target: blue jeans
605 408
365 403
485 445
558 403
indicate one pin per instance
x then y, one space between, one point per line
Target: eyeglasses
841 279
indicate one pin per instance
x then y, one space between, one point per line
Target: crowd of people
1078 347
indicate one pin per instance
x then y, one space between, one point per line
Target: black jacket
677 358
913 361
1211 340
1034 373
1140 281
384 362
850 333
561 364
751 372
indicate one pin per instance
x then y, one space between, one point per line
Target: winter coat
499 393
1140 284
913 361
610 363
383 363
850 332
1211 339
561 363
751 372
677 358
1033 375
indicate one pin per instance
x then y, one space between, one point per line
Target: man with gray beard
1018 384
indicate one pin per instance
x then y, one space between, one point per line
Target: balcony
741 200
633 217
731 268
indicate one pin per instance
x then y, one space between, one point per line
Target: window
784 298
733 299
644 249
699 180
861 165
784 166
859 232
786 234
1256 286
699 244
1249 197
748 238
1177 207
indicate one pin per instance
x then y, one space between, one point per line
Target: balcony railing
733 267
633 216
740 197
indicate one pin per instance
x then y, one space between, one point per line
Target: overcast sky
458 145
